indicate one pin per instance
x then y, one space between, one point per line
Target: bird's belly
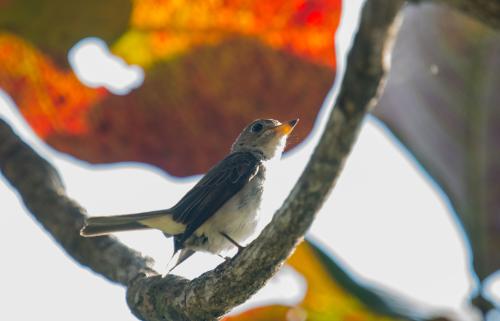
237 218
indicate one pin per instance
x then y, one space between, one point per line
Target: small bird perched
220 211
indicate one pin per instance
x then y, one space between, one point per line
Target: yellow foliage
325 299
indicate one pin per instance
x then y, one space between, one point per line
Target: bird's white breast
237 217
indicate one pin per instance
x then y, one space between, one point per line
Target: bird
221 210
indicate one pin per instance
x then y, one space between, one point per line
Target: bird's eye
257 128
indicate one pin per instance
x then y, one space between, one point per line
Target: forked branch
216 292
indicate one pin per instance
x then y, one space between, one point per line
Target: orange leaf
167 28
267 313
51 100
212 67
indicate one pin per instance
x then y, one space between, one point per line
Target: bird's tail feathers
178 257
102 225
90 230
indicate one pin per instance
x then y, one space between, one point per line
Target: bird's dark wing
222 182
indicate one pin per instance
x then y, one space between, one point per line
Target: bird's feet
233 242
225 258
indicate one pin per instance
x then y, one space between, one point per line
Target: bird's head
264 136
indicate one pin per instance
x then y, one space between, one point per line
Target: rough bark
43 193
214 293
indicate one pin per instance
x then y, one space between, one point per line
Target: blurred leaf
210 68
442 101
54 26
185 116
51 99
332 294
162 29
266 313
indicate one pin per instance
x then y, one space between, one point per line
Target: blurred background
133 101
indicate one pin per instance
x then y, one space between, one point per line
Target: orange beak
286 128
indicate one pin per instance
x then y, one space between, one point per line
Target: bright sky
386 220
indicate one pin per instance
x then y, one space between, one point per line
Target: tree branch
486 11
43 193
214 293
